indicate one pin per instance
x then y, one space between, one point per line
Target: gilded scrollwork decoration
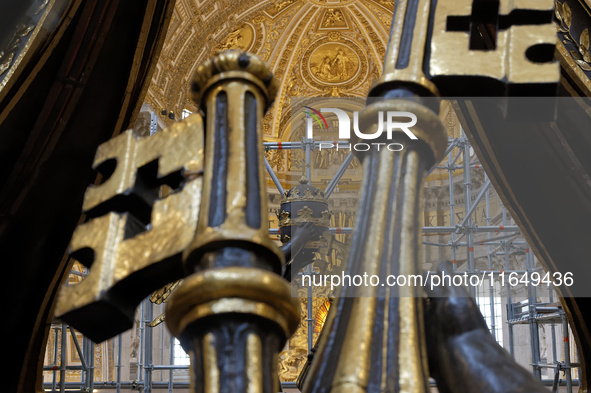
9 53
276 158
580 52
20 40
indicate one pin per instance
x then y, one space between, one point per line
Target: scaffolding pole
274 177
534 333
171 361
452 204
308 145
148 366
468 207
430 230
63 359
567 365
489 260
553 328
340 172
509 297
119 339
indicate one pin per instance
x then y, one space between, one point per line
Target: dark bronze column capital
233 290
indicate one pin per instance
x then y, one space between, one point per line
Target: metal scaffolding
502 240
86 354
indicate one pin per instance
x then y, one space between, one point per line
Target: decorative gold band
233 290
319 222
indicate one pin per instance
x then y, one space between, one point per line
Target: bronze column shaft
374 338
234 313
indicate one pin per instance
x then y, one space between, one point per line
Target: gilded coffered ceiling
315 48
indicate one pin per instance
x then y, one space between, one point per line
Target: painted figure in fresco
340 65
325 70
335 66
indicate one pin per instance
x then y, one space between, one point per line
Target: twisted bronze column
234 313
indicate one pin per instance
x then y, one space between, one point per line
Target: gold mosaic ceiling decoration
314 47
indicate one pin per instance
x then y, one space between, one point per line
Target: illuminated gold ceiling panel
314 47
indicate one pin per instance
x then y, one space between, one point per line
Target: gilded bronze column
374 339
234 313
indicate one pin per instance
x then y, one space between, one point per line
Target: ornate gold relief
334 63
283 31
333 19
581 56
242 38
563 14
331 3
304 216
308 196
8 54
281 4
340 63
292 360
161 296
276 158
23 40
